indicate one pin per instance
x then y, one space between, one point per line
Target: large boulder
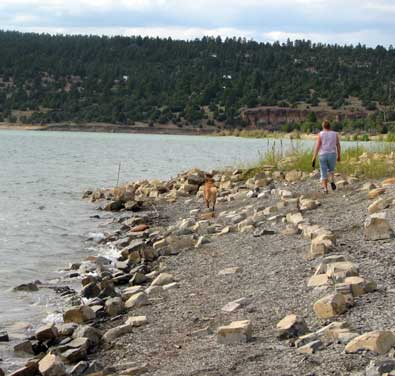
377 227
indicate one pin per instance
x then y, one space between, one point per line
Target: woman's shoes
333 186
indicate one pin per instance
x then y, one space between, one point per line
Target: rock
261 232
162 279
4 336
28 287
30 369
342 183
79 368
295 218
139 228
24 347
232 270
114 306
154 291
74 355
330 306
113 206
375 193
377 227
117 332
91 290
51 365
293 176
236 332
320 246
291 326
311 347
379 205
129 291
289 231
47 332
380 367
307 204
92 334
235 305
202 240
137 321
357 285
318 280
133 205
136 370
137 300
379 342
170 286
342 269
79 315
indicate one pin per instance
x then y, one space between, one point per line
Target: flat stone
236 332
24 347
235 305
231 270
137 300
162 279
379 342
117 332
318 280
311 347
374 193
379 205
30 369
137 321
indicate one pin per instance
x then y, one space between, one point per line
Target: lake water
44 223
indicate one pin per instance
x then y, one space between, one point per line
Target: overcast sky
370 22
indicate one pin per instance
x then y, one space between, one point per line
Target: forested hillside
123 80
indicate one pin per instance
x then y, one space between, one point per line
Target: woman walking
328 149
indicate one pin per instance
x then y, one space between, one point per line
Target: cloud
335 21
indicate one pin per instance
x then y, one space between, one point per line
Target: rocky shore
280 280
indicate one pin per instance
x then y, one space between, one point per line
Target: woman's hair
326 124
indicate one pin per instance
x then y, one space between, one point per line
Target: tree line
123 80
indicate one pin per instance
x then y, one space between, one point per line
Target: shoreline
109 128
188 131
152 285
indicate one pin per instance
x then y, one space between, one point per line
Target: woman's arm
338 147
317 148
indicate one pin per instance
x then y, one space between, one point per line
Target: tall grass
374 162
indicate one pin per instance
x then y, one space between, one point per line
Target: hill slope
122 80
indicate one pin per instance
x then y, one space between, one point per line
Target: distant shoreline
109 128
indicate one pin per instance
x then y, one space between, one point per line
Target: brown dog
210 192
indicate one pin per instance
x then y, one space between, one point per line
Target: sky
367 22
